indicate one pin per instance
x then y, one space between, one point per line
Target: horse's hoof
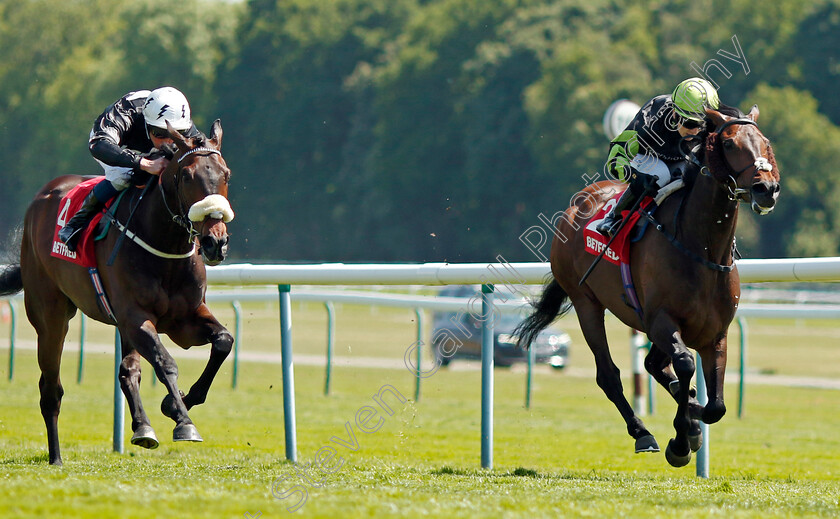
167 406
695 442
674 459
145 437
646 444
186 433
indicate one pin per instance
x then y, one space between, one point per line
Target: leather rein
181 219
735 193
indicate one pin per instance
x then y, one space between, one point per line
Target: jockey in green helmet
647 153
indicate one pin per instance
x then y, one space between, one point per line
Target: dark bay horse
156 284
687 285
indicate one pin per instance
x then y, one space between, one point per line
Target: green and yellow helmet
692 95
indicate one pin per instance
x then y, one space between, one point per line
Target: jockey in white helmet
125 132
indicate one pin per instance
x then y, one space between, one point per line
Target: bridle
730 184
734 193
181 218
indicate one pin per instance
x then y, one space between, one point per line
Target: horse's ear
216 133
716 117
177 138
753 113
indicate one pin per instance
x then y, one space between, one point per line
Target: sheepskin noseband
214 206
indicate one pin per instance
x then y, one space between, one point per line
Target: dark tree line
409 130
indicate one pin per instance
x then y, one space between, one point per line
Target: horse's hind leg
49 315
203 329
144 435
591 318
658 364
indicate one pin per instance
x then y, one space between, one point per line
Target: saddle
84 254
633 230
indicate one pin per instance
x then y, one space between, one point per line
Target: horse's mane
731 111
169 150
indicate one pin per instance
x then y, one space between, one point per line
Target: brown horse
155 285
684 273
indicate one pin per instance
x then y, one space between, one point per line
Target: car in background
550 347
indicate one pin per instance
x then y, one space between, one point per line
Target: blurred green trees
418 130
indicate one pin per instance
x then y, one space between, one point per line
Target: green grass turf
567 456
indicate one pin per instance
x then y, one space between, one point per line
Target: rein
730 184
180 219
685 250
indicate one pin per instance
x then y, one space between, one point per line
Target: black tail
553 303
10 280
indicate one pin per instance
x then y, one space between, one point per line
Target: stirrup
72 239
608 225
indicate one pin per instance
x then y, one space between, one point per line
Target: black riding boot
72 230
609 225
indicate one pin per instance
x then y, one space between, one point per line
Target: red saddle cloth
84 253
619 251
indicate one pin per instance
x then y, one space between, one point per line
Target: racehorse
684 273
156 283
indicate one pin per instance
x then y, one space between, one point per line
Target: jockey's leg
94 203
116 179
610 223
647 175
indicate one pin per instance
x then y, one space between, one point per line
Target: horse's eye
728 144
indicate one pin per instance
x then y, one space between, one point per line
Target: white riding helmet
167 104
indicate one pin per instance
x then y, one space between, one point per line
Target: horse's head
741 159
199 176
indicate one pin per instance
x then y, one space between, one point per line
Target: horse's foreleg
658 364
144 435
714 368
665 334
145 339
205 328
591 318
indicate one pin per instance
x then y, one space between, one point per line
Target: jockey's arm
107 151
622 150
153 166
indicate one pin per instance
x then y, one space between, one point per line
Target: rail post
702 398
82 333
487 376
742 327
418 312
288 371
13 323
330 344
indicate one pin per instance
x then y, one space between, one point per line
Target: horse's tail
10 280
553 303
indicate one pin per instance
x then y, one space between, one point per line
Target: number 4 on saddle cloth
619 252
84 254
